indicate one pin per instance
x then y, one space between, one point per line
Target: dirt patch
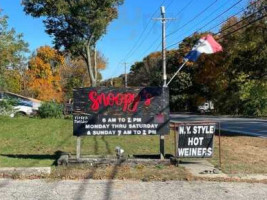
124 171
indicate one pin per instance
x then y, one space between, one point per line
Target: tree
74 74
148 72
12 49
44 74
13 80
245 62
76 25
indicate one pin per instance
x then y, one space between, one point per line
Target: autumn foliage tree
44 81
74 74
75 25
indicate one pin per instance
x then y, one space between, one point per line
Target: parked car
23 105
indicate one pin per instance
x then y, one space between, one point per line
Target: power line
141 43
219 23
244 26
252 22
199 14
142 33
184 8
179 12
220 14
139 38
233 15
221 31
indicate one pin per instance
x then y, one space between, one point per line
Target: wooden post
161 144
220 153
78 148
176 145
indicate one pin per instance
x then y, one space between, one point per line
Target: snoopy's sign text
121 111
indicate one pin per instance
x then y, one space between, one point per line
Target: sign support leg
220 153
78 148
161 143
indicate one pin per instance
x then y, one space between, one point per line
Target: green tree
245 62
76 25
12 49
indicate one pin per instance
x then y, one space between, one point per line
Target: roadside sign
120 111
195 140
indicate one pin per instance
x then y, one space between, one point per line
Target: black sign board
195 140
120 111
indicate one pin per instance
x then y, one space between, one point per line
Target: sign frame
177 126
156 113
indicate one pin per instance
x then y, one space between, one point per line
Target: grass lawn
33 142
28 142
242 155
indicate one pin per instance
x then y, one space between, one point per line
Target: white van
208 106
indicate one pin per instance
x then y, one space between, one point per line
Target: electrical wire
236 14
178 13
231 7
139 38
144 39
141 35
246 25
264 8
176 43
218 16
191 20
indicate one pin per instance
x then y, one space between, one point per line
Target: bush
50 110
7 106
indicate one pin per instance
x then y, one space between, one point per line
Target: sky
135 33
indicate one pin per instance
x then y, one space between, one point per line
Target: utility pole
163 20
125 74
163 45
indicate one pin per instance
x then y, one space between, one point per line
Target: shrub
50 110
7 106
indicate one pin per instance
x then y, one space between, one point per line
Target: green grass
28 142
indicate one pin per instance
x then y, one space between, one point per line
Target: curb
25 171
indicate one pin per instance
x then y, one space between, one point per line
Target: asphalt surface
246 126
130 190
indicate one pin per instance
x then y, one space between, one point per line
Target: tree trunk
96 72
89 65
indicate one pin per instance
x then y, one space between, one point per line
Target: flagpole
185 61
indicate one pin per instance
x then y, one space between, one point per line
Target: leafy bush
7 106
254 96
50 110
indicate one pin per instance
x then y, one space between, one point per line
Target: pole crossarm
166 19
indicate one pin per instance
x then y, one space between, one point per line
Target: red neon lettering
128 101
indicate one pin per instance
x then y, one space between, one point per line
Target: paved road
255 127
130 190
